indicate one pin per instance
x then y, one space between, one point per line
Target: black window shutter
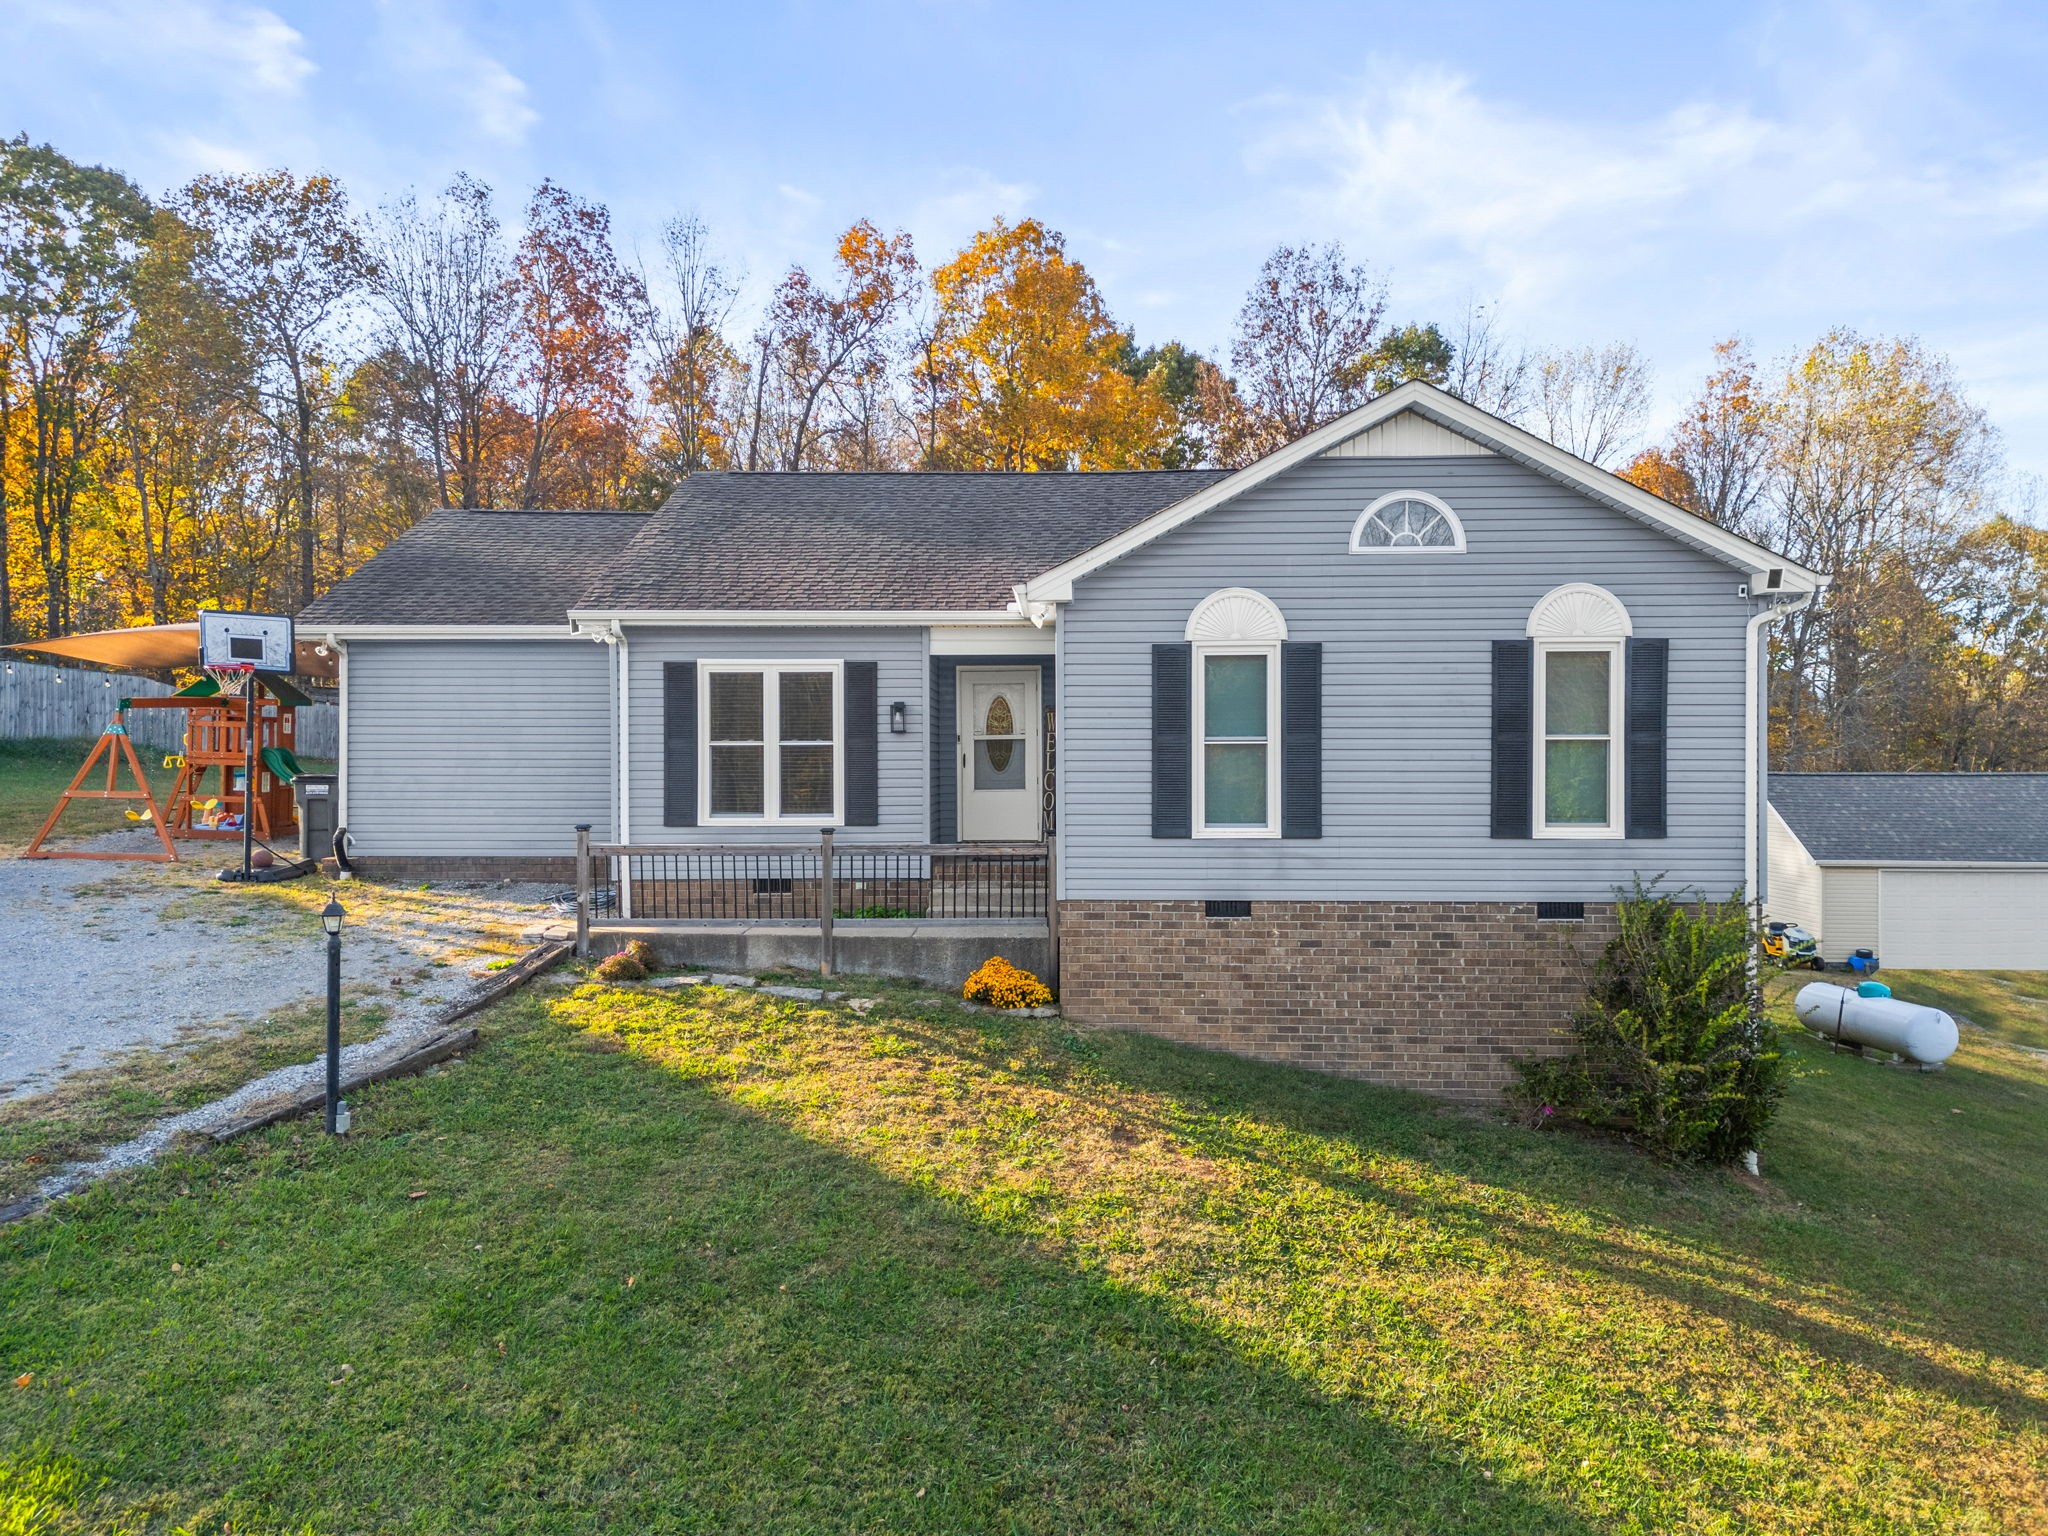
863 791
1301 738
1514 747
679 744
1646 706
1173 759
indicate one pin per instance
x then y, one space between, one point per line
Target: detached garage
1933 871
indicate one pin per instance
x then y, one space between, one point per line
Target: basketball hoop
230 677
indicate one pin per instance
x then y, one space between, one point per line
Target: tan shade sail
159 647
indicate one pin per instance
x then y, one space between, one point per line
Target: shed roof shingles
480 568
839 542
1917 818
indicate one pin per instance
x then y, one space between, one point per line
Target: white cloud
959 203
423 41
1423 171
244 43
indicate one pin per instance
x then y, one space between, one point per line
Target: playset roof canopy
159 648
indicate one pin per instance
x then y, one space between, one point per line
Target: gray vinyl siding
475 748
1406 691
902 771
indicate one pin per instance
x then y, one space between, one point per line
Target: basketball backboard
263 640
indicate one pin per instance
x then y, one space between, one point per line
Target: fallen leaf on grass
24 1378
418 1194
629 1282
177 1269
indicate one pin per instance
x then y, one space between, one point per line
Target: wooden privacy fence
39 700
813 884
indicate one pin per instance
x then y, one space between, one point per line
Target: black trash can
315 794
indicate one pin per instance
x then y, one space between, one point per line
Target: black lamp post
337 1112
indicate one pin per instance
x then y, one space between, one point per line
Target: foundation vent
1560 911
1226 909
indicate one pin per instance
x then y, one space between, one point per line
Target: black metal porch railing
813 884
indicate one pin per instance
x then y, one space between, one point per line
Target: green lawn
2014 1004
33 774
711 1261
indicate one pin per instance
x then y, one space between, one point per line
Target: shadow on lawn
807 1343
1232 1112
1686 1209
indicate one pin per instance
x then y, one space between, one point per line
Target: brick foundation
453 870
1438 996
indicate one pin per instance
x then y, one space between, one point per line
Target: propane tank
1923 1035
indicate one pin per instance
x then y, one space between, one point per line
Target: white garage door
1964 920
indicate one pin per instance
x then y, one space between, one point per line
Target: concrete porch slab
939 954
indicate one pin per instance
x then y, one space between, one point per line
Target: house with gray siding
1336 759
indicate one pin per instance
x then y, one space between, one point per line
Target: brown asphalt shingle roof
464 567
945 542
956 542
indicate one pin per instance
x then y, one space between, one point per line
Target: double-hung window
770 734
1237 727
1578 738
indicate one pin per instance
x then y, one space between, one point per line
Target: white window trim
1437 503
1199 683
771 753
1612 829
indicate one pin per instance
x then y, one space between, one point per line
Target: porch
933 911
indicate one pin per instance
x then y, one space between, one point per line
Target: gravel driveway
99 958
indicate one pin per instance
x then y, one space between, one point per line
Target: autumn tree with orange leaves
577 308
1033 365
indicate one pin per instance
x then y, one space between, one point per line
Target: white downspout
1757 700
340 649
623 886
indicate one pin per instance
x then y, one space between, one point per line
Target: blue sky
1652 171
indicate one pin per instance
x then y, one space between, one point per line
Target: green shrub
1671 1048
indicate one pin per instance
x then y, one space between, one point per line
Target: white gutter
798 618
1757 700
1959 866
450 632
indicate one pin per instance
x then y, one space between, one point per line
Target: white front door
998 754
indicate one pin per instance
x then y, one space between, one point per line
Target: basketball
259 858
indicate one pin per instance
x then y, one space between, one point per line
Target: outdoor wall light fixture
337 1108
899 718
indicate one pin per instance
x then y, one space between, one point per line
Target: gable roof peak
1466 420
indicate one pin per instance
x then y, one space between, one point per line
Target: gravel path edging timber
300 1087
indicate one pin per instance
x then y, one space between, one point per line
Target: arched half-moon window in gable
1408 523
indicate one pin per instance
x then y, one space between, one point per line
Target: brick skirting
1439 996
467 870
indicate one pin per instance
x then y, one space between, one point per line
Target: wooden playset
246 689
